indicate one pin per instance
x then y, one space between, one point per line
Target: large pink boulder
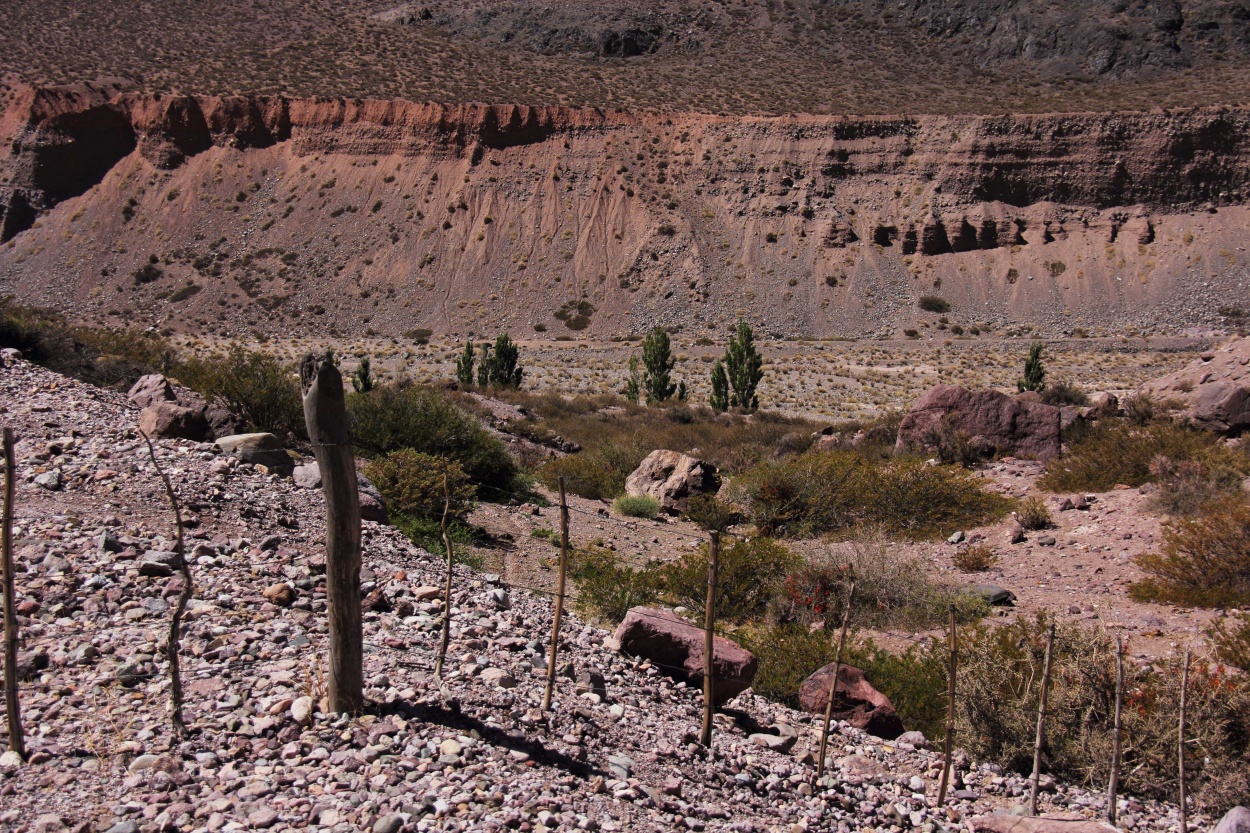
994 422
155 390
857 702
676 647
671 478
169 420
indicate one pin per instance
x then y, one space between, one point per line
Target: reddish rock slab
1066 823
994 422
170 420
858 703
676 647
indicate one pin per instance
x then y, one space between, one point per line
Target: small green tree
464 365
633 382
1034 371
483 365
657 357
719 400
744 367
501 367
362 377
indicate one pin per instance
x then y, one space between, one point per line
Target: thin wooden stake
952 671
559 600
709 642
1180 742
837 671
445 637
1117 754
1041 722
325 416
17 741
175 623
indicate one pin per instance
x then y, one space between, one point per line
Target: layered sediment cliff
472 217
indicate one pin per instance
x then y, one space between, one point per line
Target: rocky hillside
720 56
273 215
94 588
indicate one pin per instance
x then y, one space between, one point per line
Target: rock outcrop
259 449
158 398
1050 823
676 647
672 478
1212 392
857 702
993 422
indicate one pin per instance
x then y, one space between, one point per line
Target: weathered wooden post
1116 752
837 672
445 635
952 670
1180 742
709 639
175 622
559 600
1041 722
325 415
17 741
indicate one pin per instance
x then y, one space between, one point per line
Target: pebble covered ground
95 582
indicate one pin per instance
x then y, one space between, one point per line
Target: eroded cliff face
272 213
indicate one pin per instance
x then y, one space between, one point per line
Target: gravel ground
94 588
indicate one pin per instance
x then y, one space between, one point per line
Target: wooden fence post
445 635
1041 722
837 671
709 642
952 671
1180 742
325 416
17 741
559 600
1116 751
175 622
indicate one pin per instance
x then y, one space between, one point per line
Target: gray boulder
1236 820
372 505
672 478
259 449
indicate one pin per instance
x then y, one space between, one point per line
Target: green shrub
413 483
1205 560
1033 514
750 574
636 506
893 590
427 533
1190 486
1118 452
1231 641
607 589
1064 393
976 559
932 303
255 386
392 417
596 473
915 681
839 490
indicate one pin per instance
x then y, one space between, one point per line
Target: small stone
389 823
498 677
916 784
451 746
958 537
262 818
281 594
51 481
777 743
127 826
302 710
10 760
142 762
